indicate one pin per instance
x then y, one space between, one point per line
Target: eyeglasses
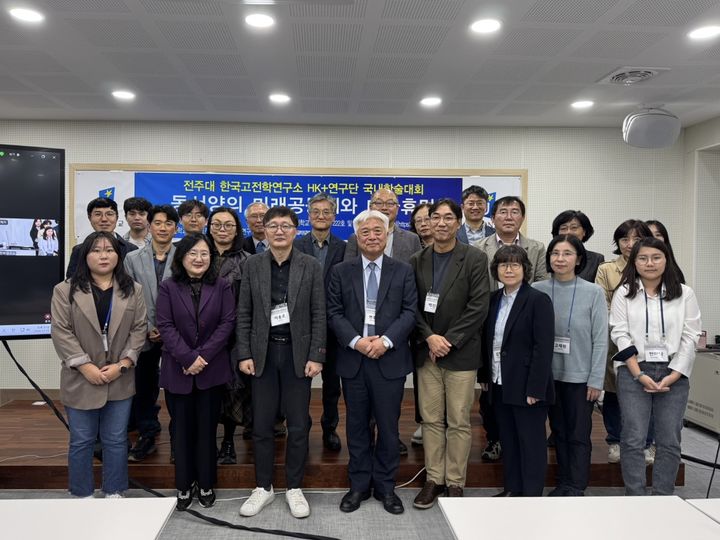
569 228
110 214
421 220
515 212
509 266
625 240
384 204
198 254
274 227
563 254
475 204
324 213
256 217
644 259
217 226
445 219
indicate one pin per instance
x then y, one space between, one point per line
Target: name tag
562 345
431 302
370 312
279 315
656 354
105 342
496 369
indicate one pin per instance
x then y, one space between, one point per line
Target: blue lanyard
107 318
572 302
662 316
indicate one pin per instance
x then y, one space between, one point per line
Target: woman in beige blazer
98 329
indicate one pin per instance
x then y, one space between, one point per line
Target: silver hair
249 206
320 197
365 215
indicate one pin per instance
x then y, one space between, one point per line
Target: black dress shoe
506 493
352 499
403 448
391 502
331 440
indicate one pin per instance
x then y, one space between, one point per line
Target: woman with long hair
98 329
195 317
655 323
48 242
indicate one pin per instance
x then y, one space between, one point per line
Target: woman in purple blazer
195 317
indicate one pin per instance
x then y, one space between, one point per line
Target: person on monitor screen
98 329
48 242
136 214
35 233
103 216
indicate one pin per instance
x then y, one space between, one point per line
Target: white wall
587 169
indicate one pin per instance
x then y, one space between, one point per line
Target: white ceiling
361 62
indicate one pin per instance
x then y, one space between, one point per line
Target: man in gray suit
148 266
280 343
508 215
401 244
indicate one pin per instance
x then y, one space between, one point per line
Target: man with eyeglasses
401 244
329 250
474 206
255 242
149 266
508 214
193 216
281 331
453 295
103 216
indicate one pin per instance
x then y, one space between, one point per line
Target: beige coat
77 338
608 277
535 251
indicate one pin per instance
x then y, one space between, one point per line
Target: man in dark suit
453 292
255 242
371 309
329 250
281 343
103 216
475 200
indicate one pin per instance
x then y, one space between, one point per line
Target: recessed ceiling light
123 95
27 15
485 26
279 99
260 20
584 104
705 32
430 101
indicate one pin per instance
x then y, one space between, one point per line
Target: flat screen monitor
32 232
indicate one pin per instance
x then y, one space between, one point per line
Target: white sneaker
614 453
258 500
114 496
650 455
299 506
417 439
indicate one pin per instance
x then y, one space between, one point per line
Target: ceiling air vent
632 75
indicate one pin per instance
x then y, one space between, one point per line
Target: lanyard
572 302
662 317
107 318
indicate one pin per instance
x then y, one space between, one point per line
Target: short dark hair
414 213
188 206
166 209
454 207
508 254
666 236
567 216
508 200
139 204
239 236
475 190
280 211
101 202
82 279
628 226
577 245
671 275
182 248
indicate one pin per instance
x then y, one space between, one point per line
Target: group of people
44 238
243 324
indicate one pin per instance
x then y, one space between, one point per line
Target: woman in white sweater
655 323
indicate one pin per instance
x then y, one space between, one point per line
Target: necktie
260 247
372 291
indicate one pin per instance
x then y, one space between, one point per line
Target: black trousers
144 412
330 394
490 425
194 419
370 394
571 421
278 386
524 443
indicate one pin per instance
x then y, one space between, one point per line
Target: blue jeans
613 421
110 422
668 410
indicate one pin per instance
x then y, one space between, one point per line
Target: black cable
717 452
135 483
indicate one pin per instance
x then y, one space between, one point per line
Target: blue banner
237 191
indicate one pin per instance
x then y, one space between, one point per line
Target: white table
573 518
85 519
709 507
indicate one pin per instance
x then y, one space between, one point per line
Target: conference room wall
582 168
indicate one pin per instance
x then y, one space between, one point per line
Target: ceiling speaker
651 128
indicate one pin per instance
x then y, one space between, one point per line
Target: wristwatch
386 342
637 377
123 369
